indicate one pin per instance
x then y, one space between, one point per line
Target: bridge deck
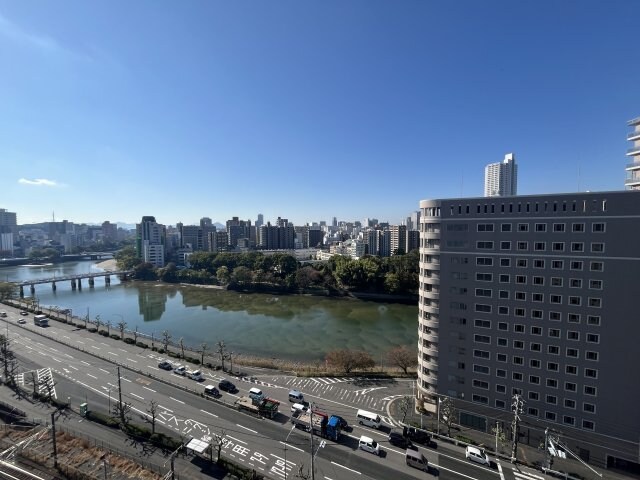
72 277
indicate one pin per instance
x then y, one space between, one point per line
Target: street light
231 359
438 425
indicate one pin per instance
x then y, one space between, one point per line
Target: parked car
180 370
399 440
24 314
195 375
419 436
22 321
165 365
211 391
368 444
227 386
474 454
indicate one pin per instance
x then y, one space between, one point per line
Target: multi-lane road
83 366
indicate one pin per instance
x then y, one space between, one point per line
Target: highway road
84 368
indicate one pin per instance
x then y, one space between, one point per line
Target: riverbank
108 265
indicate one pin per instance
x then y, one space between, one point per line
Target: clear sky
111 110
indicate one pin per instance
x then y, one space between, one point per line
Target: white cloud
40 182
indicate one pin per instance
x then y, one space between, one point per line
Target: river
291 327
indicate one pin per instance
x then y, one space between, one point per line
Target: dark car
399 440
419 436
164 365
211 391
343 423
227 386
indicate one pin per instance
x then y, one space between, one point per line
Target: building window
588 425
595 284
520 296
518 328
589 390
485 227
577 228
576 265
505 245
481 369
480 399
572 352
503 342
597 266
588 407
558 227
555 316
534 379
541 227
591 356
557 264
591 373
520 312
482 323
501 388
573 335
568 420
540 246
595 302
575 283
505 227
577 247
484 261
518 360
517 376
538 263
575 301
504 278
537 297
482 354
550 416
523 245
521 279
521 263
481 384
501 373
598 228
484 277
501 357
554 333
484 292
593 338
553 350
535 363
538 280
502 310
557 299
503 294
552 383
570 386
483 308
523 227
501 404
573 318
593 320
557 246
484 245
569 403
551 399
518 344
571 370
556 281
505 262
536 314
503 326
535 396
597 247
532 411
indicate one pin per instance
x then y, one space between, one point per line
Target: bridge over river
76 280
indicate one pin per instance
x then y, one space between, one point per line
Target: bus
41 320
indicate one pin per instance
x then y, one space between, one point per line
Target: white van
475 454
256 394
416 460
3 314
295 396
195 375
369 419
368 444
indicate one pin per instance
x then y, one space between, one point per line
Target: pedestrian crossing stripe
527 475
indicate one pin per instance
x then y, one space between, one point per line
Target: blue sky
306 109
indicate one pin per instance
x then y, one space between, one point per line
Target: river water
292 327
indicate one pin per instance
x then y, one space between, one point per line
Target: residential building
398 239
633 169
9 220
535 295
413 240
501 179
150 241
110 231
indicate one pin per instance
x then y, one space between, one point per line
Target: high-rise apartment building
501 179
535 295
150 241
398 239
633 169
8 219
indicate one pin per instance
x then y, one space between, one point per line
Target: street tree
122 410
217 443
181 342
108 325
222 352
8 290
153 413
349 360
405 406
203 349
122 325
448 413
99 322
403 358
166 338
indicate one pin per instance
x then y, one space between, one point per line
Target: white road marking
86 363
291 446
71 366
167 409
237 439
176 400
78 341
132 360
252 431
141 398
150 389
209 413
92 376
346 468
93 346
105 371
149 366
126 379
111 353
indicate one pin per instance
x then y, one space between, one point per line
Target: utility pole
53 431
516 408
313 475
120 396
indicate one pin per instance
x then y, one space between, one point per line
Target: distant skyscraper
633 169
501 179
260 221
150 241
8 219
335 222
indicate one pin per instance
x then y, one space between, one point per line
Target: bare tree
448 413
403 357
217 442
153 413
301 473
135 335
181 342
349 360
203 349
98 323
122 410
108 325
166 338
8 359
405 405
222 351
122 326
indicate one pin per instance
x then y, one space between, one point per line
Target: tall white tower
632 181
501 179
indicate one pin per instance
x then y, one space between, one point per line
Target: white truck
41 320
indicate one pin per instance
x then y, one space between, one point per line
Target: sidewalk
115 441
532 457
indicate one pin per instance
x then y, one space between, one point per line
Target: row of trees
349 360
256 271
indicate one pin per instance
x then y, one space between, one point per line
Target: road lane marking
93 346
500 470
149 366
54 358
71 366
346 468
126 379
105 344
55 350
179 401
237 439
141 398
67 355
150 389
252 431
86 363
111 353
105 371
167 409
291 446
132 360
92 376
78 341
209 413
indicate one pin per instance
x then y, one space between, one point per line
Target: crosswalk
511 472
43 378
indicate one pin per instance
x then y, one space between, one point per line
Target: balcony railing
634 121
632 181
632 166
634 151
634 134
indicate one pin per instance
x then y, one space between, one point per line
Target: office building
9 220
150 241
536 296
501 179
632 181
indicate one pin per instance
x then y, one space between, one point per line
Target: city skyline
116 111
